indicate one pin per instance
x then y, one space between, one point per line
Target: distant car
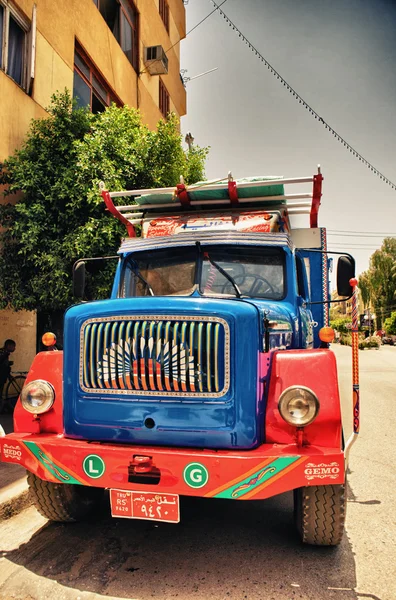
389 339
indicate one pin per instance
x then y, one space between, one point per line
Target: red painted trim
317 370
116 213
314 465
47 366
316 196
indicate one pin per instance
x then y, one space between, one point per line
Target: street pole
189 140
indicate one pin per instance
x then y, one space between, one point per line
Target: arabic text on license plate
151 506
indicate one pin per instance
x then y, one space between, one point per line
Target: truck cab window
160 273
301 278
257 274
238 271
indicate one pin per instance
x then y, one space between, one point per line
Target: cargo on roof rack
252 194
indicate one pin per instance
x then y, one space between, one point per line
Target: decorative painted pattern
355 364
325 277
49 465
249 483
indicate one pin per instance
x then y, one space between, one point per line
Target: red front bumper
255 474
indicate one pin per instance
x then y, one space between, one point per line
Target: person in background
5 363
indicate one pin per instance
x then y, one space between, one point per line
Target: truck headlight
37 396
298 405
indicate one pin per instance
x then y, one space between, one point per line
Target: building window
14 44
164 13
123 19
163 99
89 88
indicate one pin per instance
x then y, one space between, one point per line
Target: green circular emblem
196 475
94 466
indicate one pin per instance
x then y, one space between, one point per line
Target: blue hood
196 363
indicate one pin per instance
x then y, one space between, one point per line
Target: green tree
341 324
365 289
61 216
390 324
378 283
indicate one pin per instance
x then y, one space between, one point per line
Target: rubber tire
319 513
63 502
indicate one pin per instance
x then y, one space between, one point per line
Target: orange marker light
49 339
326 334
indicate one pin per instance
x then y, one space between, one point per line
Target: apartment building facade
123 51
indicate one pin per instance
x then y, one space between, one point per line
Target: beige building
125 51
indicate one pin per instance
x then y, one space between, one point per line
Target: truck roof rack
181 203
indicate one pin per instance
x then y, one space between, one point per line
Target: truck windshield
241 271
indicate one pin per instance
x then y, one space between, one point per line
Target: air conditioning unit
156 60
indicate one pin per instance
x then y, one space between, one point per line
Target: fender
47 366
317 370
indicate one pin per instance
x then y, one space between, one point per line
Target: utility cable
359 233
301 100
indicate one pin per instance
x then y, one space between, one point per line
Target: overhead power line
359 233
301 100
355 245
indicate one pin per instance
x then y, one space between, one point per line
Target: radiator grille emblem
180 356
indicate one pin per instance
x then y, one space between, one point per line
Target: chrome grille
182 356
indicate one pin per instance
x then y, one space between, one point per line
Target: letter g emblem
196 475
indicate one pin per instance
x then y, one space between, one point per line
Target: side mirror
79 279
345 272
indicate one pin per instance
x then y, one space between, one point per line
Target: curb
13 499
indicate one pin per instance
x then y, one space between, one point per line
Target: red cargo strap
233 193
182 195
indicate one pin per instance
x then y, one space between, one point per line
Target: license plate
150 506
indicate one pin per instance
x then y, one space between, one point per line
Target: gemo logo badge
196 475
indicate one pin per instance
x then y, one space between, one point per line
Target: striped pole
355 372
355 359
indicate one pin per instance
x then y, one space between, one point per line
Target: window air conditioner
156 60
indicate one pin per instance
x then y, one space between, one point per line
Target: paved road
227 550
9 473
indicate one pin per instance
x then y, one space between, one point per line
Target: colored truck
208 372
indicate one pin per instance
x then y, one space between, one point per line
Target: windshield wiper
139 276
224 273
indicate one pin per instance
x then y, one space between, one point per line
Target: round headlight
298 405
37 396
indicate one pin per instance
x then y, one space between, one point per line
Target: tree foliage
378 284
390 324
341 324
61 216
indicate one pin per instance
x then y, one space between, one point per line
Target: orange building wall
59 23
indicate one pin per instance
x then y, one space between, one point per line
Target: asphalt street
225 550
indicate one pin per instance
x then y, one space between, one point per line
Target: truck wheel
63 502
319 513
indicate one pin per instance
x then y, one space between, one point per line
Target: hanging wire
301 100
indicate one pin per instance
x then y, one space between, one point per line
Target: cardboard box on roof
247 221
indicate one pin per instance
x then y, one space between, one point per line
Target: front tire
319 512
62 502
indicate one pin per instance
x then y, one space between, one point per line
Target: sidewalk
13 485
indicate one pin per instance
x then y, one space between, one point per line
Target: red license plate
150 506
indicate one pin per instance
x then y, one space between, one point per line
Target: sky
340 56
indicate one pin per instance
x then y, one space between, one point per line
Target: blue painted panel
222 422
317 290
